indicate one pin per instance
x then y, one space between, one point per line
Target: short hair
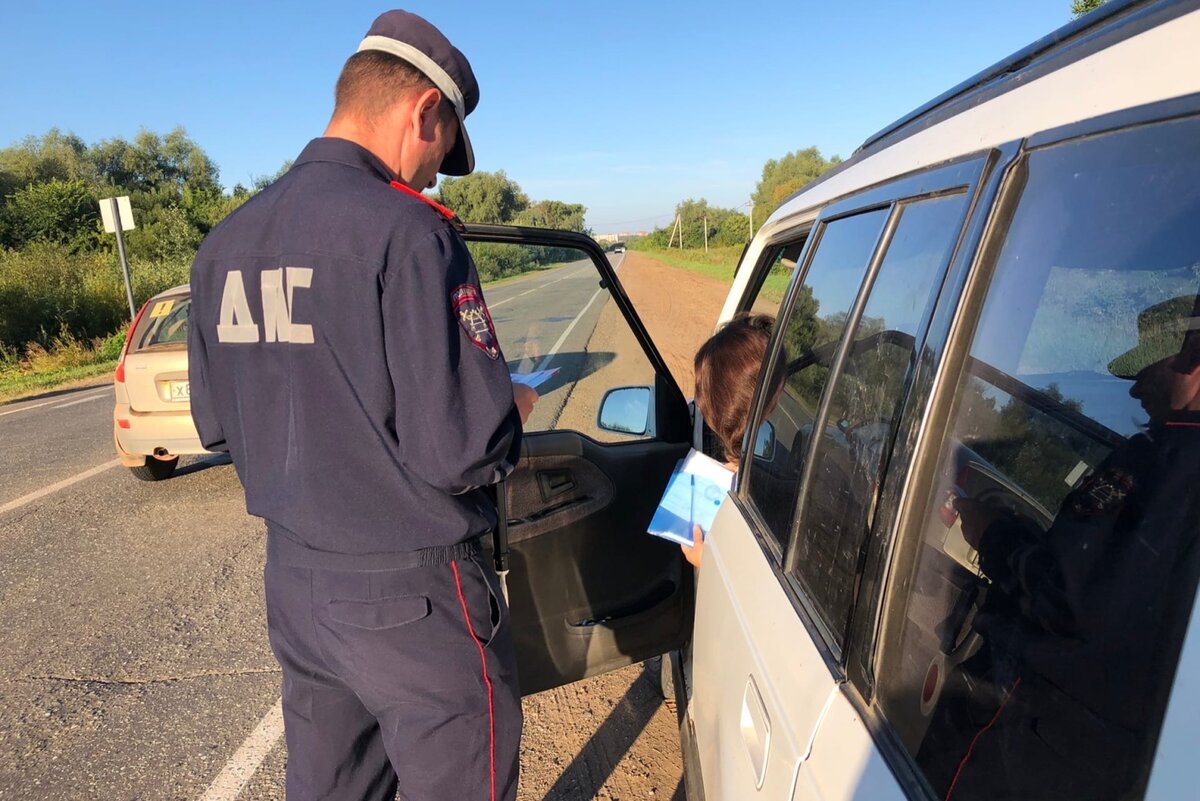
372 82
726 369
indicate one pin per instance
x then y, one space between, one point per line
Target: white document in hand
693 495
533 379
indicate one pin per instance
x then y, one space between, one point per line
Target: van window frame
964 174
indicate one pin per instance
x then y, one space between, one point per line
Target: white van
975 582
961 560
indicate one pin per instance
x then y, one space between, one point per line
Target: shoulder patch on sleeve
475 319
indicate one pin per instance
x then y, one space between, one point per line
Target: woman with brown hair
726 368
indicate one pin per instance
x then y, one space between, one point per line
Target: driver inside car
1075 618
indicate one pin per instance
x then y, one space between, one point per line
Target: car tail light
123 424
119 375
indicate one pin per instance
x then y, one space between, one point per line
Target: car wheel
155 469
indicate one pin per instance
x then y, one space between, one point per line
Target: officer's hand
976 517
525 396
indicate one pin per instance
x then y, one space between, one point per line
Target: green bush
113 344
47 291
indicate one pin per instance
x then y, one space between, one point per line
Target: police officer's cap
416 41
1163 329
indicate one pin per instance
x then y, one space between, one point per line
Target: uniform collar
343 151
1182 419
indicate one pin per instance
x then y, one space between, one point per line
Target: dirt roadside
612 737
679 309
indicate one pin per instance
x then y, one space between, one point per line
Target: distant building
608 239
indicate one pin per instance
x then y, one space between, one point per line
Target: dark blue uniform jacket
339 349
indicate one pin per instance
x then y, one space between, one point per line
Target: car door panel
589 589
747 635
845 764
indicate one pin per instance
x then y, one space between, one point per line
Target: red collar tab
438 207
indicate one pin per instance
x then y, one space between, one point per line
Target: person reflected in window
1082 623
726 369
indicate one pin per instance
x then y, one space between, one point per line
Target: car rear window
164 325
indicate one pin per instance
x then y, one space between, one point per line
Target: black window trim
896 492
766 259
965 173
799 511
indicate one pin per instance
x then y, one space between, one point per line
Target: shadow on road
572 367
204 463
601 754
100 383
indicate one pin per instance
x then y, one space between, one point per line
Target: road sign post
118 217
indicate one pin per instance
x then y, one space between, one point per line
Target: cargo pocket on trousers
380 613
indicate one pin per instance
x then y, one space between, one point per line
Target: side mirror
764 442
626 410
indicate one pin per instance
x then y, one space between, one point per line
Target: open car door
589 589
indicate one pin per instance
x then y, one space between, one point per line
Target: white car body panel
845 765
746 627
748 635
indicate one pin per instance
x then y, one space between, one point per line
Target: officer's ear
427 114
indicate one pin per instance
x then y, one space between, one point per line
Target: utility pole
751 205
705 233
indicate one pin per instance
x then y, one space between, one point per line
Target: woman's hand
695 553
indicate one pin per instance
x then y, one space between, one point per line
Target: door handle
553 483
756 731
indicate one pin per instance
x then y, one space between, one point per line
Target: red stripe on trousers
462 599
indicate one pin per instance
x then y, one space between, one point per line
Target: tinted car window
815 322
1033 642
864 405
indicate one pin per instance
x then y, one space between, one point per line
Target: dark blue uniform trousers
396 680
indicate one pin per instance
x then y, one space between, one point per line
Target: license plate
180 390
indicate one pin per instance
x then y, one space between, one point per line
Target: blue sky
625 107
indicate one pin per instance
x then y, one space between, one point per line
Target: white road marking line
241 767
44 403
566 333
44 491
82 400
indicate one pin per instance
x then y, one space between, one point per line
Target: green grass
508 279
67 361
718 263
20 384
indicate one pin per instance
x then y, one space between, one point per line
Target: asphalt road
544 322
135 663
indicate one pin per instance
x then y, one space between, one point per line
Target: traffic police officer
342 352
1082 623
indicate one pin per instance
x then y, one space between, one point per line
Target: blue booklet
693 495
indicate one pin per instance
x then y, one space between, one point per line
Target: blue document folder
693 495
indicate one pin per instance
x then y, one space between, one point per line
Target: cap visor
1132 362
461 158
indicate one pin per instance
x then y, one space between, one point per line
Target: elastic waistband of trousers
283 550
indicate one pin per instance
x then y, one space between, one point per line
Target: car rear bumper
147 432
